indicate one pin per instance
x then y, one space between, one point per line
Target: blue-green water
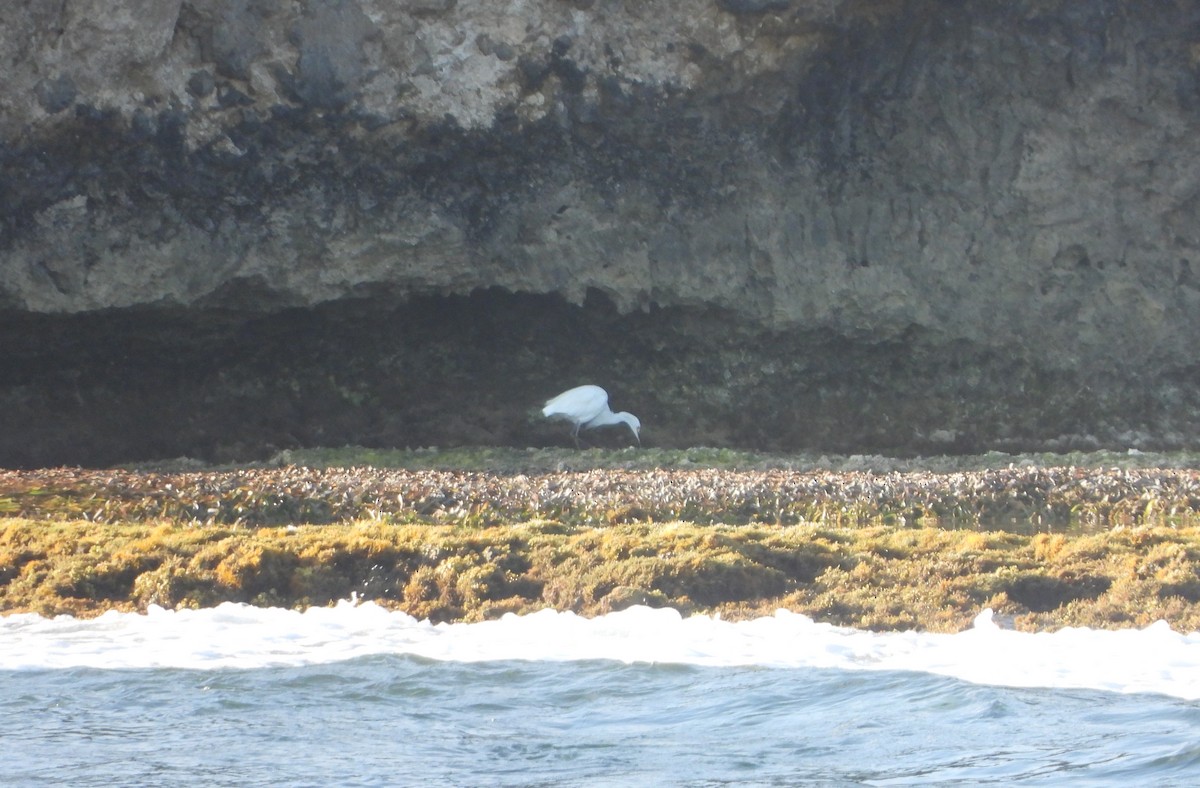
243 697
397 720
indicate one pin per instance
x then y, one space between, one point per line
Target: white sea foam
1155 659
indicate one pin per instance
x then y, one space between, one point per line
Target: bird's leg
575 436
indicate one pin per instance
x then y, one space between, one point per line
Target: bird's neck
608 417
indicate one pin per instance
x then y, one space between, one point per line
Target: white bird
587 407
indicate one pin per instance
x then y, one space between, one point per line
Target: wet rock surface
1017 497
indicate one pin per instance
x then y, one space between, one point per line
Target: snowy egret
587 407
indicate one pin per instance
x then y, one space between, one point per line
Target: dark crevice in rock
219 384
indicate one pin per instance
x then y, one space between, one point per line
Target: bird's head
634 425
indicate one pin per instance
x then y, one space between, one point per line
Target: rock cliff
232 226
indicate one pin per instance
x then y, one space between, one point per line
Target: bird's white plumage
587 407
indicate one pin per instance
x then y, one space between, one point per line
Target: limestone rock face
987 214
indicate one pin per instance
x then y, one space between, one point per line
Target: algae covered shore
1100 540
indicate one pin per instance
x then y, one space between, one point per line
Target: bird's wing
580 404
